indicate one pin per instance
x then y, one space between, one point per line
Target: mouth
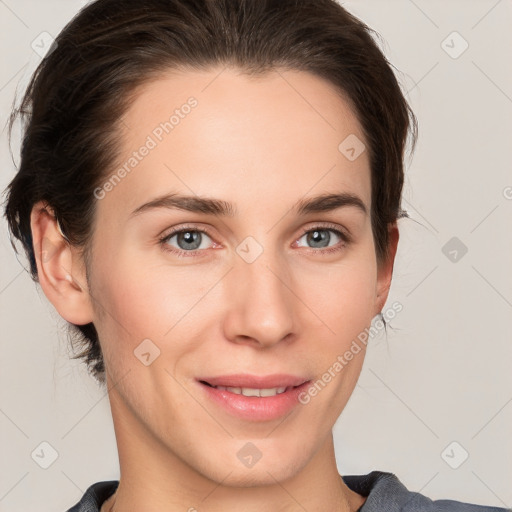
254 398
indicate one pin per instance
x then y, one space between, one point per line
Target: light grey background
443 374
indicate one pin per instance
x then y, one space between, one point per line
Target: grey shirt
383 492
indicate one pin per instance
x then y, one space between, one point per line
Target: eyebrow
220 208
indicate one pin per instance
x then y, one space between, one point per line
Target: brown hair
80 90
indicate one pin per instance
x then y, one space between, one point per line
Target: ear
385 270
60 267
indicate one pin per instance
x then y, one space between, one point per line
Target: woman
209 193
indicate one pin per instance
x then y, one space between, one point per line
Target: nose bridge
261 305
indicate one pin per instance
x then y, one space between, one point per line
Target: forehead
224 134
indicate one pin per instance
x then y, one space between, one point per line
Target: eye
185 240
321 237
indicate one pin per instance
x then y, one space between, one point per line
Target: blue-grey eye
189 239
320 238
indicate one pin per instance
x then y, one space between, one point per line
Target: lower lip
255 408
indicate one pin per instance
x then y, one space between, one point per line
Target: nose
260 303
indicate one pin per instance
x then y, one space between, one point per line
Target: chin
259 476
256 464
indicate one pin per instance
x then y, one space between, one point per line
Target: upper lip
255 381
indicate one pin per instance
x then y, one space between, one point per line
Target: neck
154 478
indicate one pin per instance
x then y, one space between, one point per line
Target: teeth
253 391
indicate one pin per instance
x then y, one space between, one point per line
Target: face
248 291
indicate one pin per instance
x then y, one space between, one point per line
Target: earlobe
385 270
60 269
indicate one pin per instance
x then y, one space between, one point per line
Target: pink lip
250 407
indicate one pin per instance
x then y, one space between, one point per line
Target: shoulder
94 496
384 491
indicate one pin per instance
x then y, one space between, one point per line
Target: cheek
143 299
342 295
136 301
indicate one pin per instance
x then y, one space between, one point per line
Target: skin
262 145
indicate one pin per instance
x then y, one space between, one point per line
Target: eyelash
346 240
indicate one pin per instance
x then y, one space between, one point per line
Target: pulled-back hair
76 97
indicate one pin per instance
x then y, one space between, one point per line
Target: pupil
190 239
317 237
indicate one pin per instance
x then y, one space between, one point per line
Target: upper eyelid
173 231
313 225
